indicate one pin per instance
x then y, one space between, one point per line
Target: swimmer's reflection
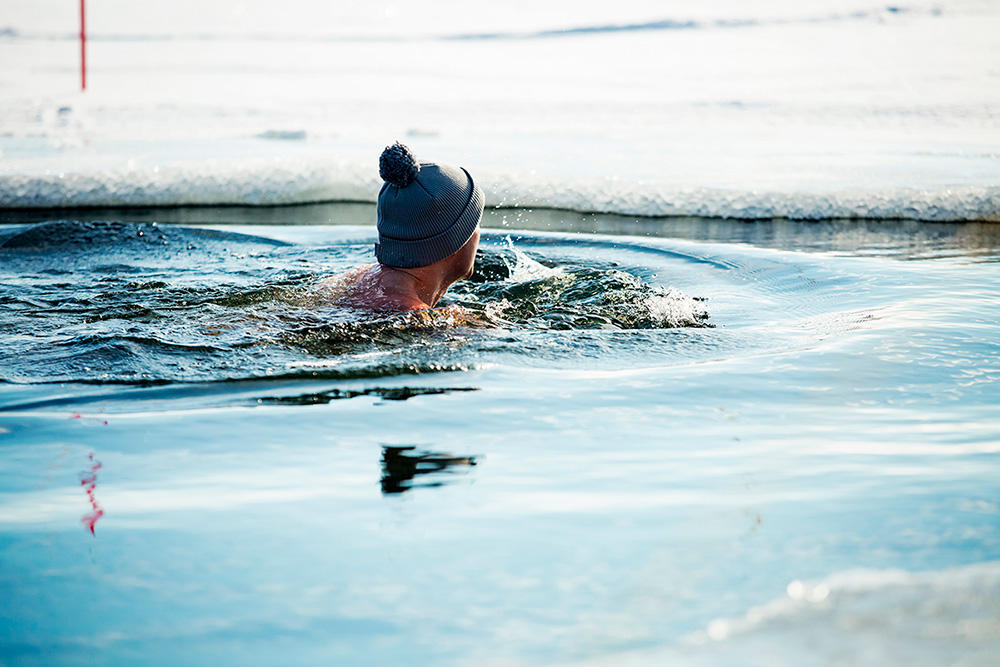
402 465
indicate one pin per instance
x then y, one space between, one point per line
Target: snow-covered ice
809 110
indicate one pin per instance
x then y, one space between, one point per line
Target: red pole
83 46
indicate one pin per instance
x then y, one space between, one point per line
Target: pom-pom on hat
426 211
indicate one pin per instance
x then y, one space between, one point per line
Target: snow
772 109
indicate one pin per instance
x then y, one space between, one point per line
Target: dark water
115 302
565 465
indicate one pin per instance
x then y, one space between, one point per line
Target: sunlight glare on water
551 473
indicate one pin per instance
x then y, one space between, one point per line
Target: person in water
428 233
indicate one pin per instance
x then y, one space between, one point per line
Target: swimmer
428 233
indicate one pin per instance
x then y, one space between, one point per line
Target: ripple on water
116 302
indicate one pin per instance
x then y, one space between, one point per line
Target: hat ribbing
426 211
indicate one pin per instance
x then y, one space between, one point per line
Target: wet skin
382 287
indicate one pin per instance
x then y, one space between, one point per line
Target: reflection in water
89 482
385 393
402 465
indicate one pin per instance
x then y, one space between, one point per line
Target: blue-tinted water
811 480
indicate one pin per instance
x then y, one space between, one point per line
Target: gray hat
426 211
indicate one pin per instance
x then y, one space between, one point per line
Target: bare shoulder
364 288
348 277
336 288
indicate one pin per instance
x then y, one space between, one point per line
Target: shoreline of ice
838 110
284 181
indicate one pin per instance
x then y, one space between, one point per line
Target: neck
418 287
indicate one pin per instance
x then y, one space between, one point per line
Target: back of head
426 211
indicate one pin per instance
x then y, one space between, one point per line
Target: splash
512 290
89 482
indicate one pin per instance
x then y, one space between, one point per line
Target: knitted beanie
426 211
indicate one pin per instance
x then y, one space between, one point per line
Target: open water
658 441
667 436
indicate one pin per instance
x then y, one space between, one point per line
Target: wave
280 181
121 303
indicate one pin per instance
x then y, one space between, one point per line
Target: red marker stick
83 46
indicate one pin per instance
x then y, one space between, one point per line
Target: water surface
810 479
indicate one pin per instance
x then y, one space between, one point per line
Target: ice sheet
831 110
